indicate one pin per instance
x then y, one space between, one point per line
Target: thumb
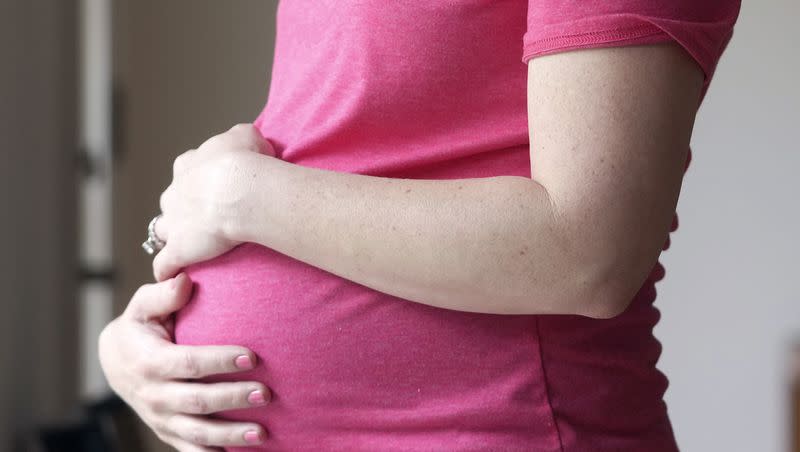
158 300
268 149
250 136
167 262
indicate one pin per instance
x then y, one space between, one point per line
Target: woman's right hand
153 375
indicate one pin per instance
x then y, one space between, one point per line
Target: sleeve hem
645 33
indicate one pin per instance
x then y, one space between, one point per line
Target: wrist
253 218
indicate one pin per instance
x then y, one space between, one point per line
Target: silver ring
153 244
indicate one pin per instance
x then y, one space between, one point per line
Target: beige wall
187 69
38 258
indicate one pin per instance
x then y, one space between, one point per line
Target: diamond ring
153 244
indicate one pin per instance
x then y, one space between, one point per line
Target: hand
207 198
153 374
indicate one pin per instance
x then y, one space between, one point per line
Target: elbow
600 291
609 289
604 306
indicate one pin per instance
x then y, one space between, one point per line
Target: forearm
490 245
580 237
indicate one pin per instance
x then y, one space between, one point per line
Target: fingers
158 300
182 162
167 263
197 361
212 432
162 227
185 446
269 149
202 398
164 199
249 137
241 136
144 369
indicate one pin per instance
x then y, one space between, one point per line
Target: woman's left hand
207 197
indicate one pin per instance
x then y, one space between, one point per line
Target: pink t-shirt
435 90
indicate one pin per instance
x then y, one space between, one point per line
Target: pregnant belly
355 369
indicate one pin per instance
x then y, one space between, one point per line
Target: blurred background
97 97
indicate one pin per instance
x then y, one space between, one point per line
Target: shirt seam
555 43
546 384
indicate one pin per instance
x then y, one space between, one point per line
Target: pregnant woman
441 233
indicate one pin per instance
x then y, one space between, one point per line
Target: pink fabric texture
434 90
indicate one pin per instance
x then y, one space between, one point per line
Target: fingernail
252 437
256 398
244 362
174 281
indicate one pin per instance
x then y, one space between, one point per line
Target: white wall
730 302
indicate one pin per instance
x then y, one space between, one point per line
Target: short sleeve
702 27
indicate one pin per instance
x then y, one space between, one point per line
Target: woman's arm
609 129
